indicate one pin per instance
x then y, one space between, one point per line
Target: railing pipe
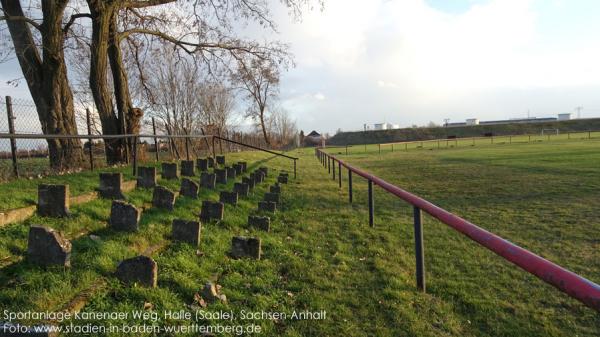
564 280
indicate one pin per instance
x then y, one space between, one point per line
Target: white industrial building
380 126
564 117
385 126
473 121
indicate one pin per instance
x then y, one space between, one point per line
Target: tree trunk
102 16
131 117
264 127
47 79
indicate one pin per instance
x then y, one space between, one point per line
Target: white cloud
407 62
319 96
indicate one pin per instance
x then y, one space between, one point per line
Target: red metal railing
566 281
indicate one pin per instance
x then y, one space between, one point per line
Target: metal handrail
564 280
255 147
260 149
56 136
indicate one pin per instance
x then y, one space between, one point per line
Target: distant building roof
313 133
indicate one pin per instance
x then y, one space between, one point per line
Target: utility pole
446 121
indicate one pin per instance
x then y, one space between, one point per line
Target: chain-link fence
30 156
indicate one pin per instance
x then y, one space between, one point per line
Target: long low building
474 121
520 120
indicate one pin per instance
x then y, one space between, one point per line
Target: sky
413 61
410 62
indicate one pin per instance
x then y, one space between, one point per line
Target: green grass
321 254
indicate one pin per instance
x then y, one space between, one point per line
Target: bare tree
282 127
202 29
39 48
217 103
259 80
173 94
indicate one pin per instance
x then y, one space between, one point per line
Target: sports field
321 255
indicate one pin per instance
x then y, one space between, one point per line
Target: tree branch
21 18
142 4
190 47
73 18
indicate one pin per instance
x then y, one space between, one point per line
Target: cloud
319 96
408 61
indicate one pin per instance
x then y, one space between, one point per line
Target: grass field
321 254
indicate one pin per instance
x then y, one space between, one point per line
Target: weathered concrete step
22 214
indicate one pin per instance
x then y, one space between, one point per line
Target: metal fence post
333 169
213 148
371 204
89 129
187 147
294 168
11 130
420 262
349 186
379 148
346 150
156 145
134 154
328 164
340 174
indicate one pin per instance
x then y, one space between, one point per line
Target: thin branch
186 45
22 18
73 18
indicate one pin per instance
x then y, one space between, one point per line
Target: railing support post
349 186
420 261
187 147
214 151
333 169
371 204
328 164
340 174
